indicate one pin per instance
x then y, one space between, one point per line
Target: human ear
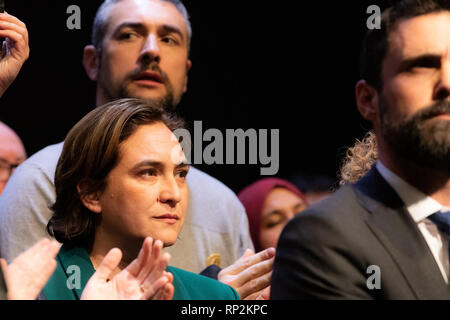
91 62
367 100
89 200
188 67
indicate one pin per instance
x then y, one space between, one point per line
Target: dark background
285 65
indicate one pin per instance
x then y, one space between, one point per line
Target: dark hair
90 152
376 42
101 21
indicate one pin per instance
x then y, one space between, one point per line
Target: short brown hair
376 42
90 152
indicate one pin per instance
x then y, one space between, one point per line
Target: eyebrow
272 212
140 26
157 164
132 25
425 59
172 29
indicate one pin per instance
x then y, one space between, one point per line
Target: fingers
169 290
15 36
16 33
255 278
254 285
247 253
40 253
264 295
247 261
10 18
152 260
5 25
47 255
109 263
137 264
28 273
255 271
165 293
156 287
158 272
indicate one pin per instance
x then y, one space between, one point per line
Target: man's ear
367 100
188 67
90 201
91 62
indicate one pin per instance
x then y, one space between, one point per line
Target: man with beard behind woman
385 236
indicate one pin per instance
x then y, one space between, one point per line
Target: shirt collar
419 205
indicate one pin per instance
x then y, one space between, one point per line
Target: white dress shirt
420 207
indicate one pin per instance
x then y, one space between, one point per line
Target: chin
146 93
168 240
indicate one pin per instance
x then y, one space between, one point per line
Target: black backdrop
289 65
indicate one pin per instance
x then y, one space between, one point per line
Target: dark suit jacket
324 252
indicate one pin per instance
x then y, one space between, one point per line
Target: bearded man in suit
386 237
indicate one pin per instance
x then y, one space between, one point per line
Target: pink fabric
253 197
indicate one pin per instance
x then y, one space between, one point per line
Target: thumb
109 263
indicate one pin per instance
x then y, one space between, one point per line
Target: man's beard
420 139
166 102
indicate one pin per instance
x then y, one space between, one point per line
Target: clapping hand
250 275
15 49
145 278
27 274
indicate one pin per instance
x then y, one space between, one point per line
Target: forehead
147 12
152 141
11 147
281 197
426 34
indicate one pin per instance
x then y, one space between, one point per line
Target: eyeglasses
6 169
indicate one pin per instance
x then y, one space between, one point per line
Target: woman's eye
274 221
183 174
149 172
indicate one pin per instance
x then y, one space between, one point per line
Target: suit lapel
399 234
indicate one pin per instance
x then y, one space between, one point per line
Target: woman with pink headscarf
270 203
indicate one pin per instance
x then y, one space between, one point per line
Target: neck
435 183
104 242
100 97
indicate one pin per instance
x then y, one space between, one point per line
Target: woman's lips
168 218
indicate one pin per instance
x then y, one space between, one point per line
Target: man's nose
442 91
170 192
150 51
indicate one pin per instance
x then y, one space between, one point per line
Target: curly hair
359 159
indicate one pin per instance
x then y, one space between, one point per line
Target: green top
76 261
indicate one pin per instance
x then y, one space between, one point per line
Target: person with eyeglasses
12 153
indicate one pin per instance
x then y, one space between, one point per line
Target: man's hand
15 49
145 278
250 275
27 275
